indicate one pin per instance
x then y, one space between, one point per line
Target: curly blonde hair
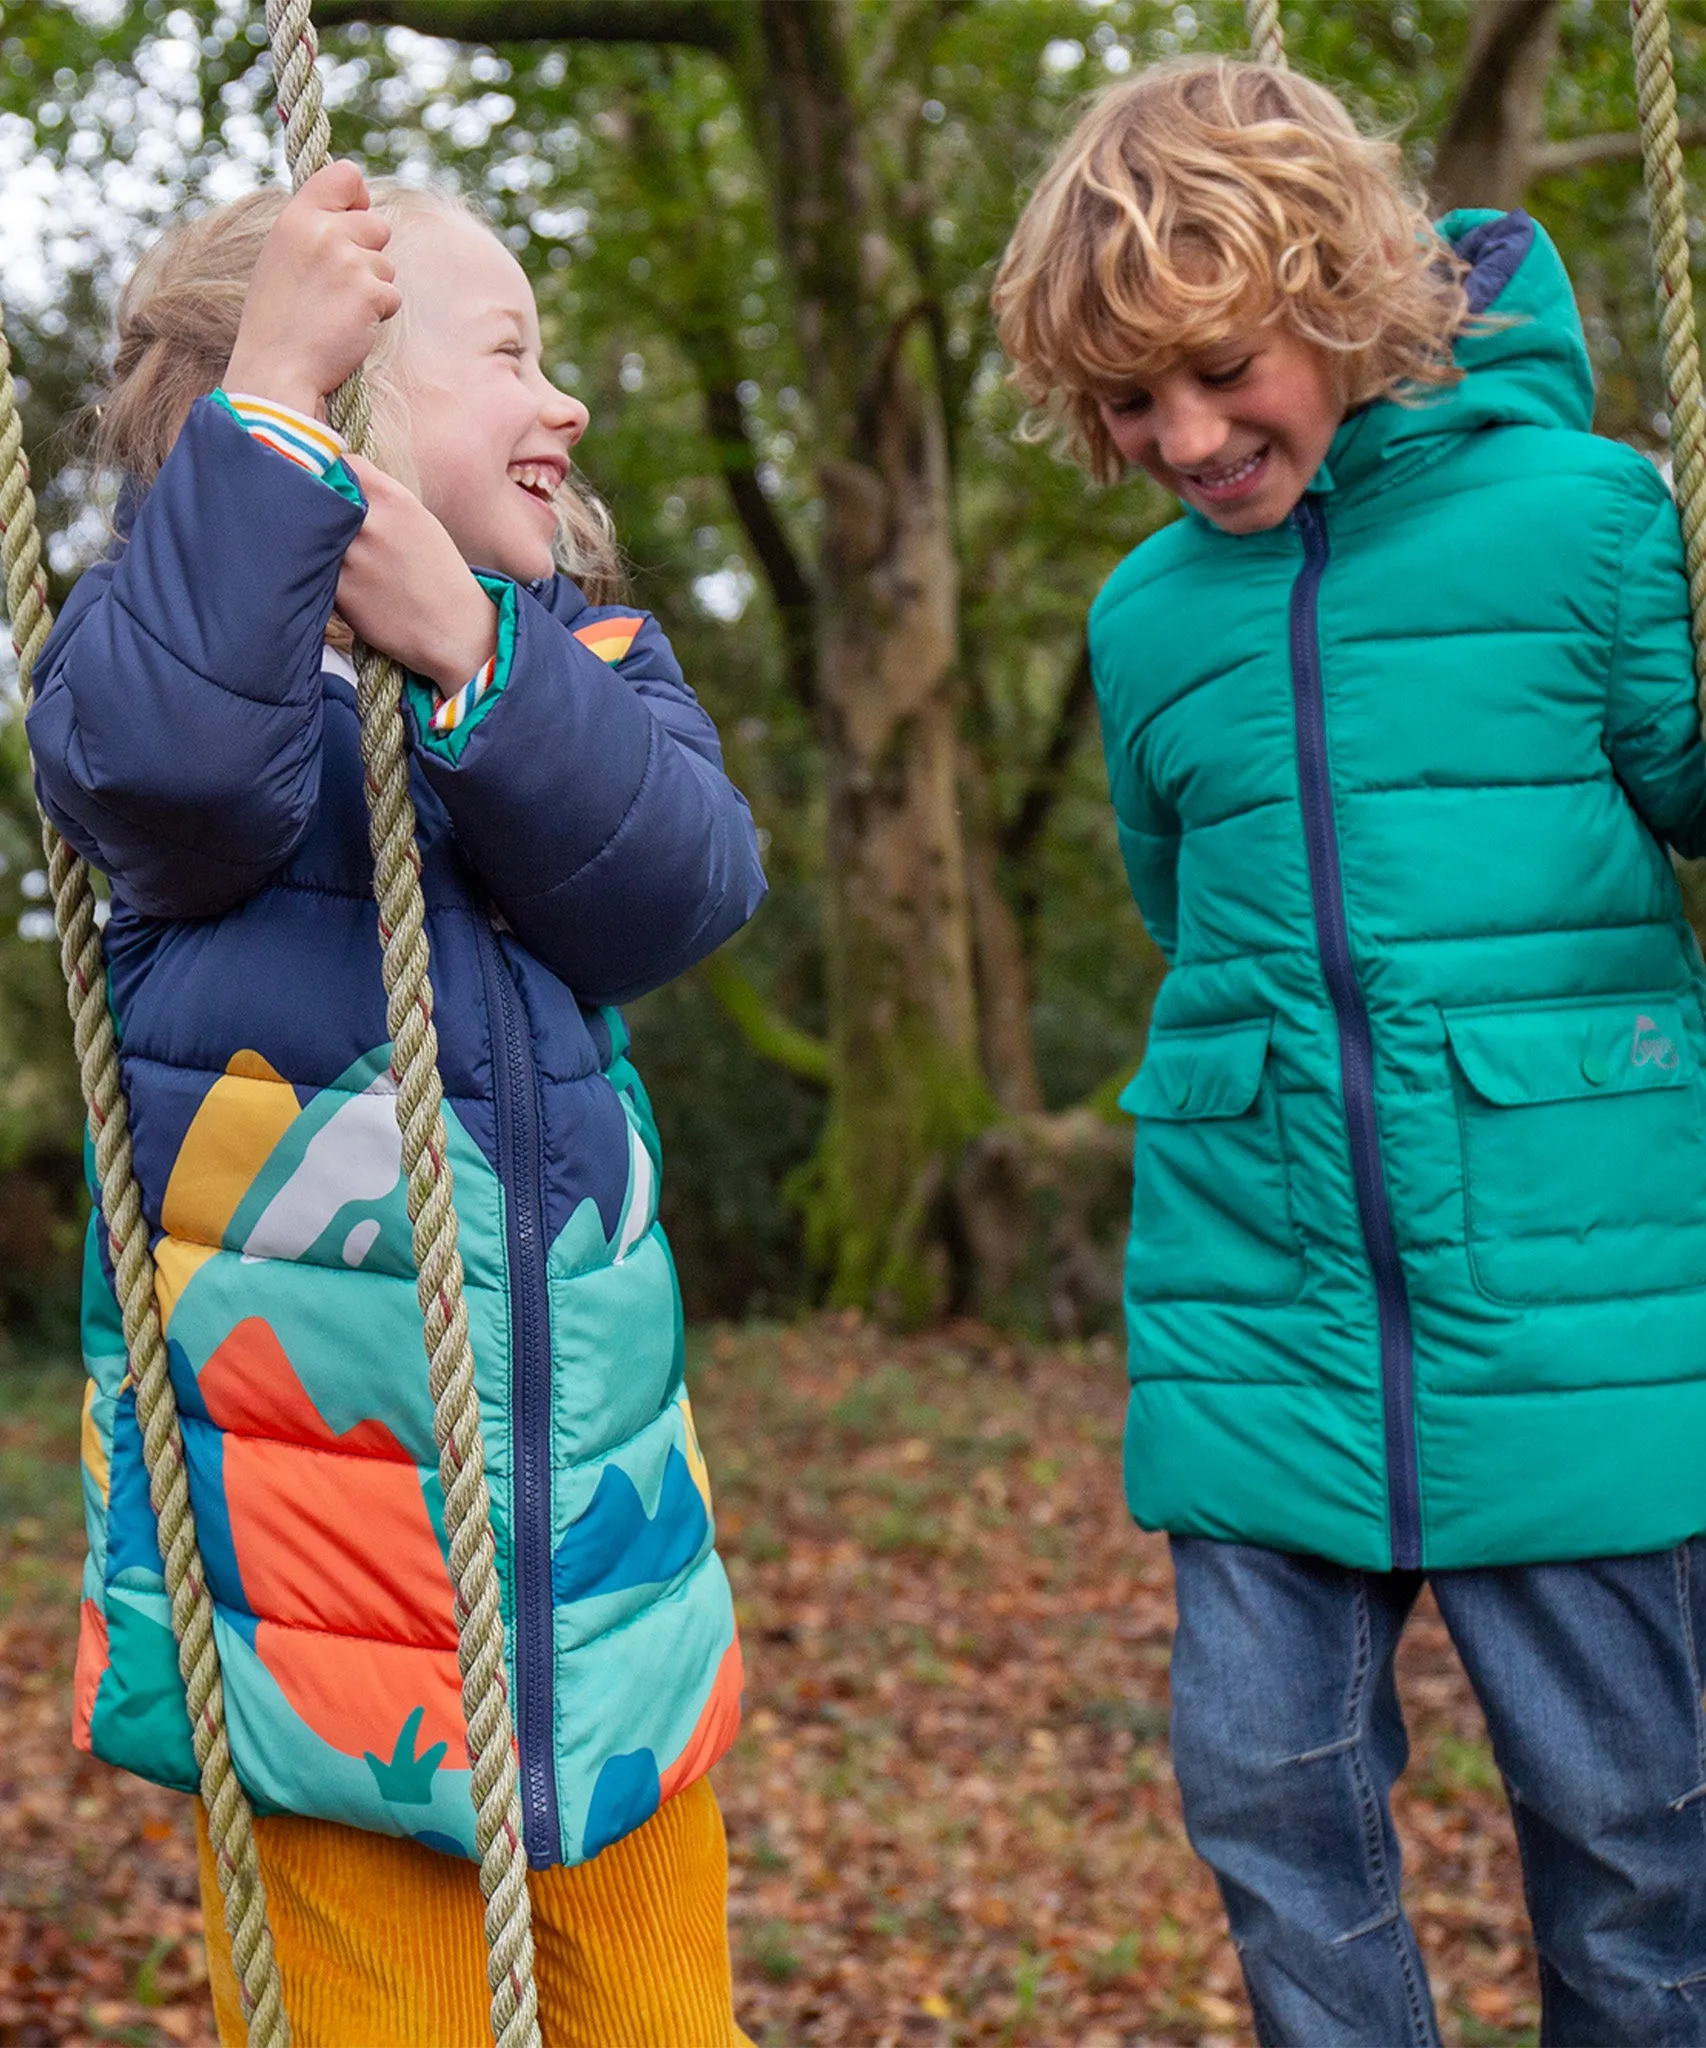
177 325
1207 196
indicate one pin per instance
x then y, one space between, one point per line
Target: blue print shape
613 1547
625 1797
133 1536
407 1779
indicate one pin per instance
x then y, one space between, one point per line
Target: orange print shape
337 1543
356 1696
716 1729
250 1385
92 1659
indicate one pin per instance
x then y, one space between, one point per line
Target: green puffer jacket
1417 1273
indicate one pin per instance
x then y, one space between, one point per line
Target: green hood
1530 369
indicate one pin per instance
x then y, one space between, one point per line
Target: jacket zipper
1356 1046
521 1170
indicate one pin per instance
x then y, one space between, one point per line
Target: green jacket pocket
1583 1127
1211 1213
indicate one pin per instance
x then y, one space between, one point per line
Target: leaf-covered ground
951 1815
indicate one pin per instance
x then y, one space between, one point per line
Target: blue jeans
1287 1739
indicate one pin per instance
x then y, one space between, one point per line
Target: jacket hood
1531 368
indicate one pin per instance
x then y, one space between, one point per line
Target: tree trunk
906 1085
1005 1037
1486 156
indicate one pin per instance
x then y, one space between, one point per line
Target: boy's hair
1207 196
177 325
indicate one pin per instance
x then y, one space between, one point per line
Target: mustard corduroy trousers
381 1942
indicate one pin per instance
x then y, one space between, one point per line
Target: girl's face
1237 431
490 434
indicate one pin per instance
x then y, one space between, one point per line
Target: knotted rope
426 1164
1267 38
228 1815
1667 206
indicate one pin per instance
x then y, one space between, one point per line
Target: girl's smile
489 432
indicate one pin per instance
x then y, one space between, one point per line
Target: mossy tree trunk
906 1085
905 1079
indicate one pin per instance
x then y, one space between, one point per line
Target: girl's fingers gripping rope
322 287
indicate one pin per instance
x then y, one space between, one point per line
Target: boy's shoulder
1544 453
1175 549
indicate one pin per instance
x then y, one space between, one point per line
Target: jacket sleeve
1148 829
586 786
1652 717
176 728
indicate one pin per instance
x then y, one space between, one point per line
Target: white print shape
355 1156
637 1219
361 1240
1651 1048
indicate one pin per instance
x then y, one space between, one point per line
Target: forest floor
950 1813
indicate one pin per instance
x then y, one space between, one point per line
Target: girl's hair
1204 197
177 326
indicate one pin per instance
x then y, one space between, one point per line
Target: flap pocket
1564 1052
1190 1074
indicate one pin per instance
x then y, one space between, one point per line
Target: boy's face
1237 431
489 432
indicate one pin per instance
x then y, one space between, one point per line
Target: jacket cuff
445 723
309 443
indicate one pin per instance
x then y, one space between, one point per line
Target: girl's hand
321 287
404 587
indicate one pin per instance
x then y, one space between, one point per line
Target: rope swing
419 1096
1667 211
426 1166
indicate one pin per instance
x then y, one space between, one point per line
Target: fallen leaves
951 1815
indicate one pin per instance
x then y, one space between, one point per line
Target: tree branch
791 589
1483 152
772 1037
700 24
1022 831
695 305
1619 146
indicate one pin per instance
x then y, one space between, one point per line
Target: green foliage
626 180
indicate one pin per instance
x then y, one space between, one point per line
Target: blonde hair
1206 196
177 325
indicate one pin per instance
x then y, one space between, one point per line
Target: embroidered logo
1651 1048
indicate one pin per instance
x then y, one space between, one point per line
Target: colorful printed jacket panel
579 844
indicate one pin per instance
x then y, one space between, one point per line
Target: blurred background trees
762 234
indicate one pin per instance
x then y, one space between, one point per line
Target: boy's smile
489 432
1237 431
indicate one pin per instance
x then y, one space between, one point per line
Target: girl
1400 724
196 737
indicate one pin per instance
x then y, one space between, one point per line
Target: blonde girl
196 737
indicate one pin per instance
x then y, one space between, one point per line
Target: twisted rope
229 1818
426 1163
1667 206
1267 38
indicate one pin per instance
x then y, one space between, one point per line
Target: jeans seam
1683 1575
1375 1861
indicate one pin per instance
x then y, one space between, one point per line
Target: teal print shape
407 1779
